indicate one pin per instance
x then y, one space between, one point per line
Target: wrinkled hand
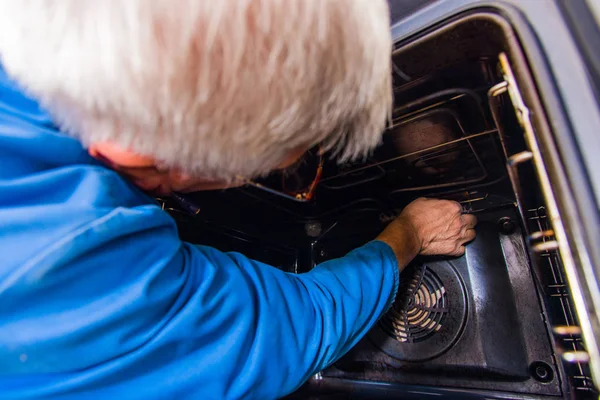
429 227
439 225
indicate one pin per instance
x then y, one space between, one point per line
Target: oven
517 315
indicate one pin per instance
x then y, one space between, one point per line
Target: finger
457 206
468 220
459 251
469 235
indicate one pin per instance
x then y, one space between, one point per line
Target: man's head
209 89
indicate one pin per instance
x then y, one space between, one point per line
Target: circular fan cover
427 316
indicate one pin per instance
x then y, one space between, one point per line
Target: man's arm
288 327
122 307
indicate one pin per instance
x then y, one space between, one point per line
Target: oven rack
440 103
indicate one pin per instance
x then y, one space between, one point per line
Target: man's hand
429 227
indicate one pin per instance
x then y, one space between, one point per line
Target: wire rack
455 161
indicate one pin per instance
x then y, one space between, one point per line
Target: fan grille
420 308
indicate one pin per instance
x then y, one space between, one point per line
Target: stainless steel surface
570 332
560 242
576 356
513 163
567 330
539 235
545 246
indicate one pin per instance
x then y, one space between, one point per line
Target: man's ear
117 155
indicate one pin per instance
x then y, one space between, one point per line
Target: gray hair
219 88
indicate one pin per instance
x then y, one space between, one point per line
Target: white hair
219 88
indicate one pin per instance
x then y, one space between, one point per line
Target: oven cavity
500 322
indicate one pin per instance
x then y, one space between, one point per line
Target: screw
312 228
541 371
507 225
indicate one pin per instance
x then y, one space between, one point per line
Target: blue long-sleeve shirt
99 298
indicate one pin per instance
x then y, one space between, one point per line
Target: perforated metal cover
427 316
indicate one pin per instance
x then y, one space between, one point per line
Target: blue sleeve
142 315
288 327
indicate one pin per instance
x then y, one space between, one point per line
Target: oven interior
481 324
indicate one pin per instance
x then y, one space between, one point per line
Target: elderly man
104 101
